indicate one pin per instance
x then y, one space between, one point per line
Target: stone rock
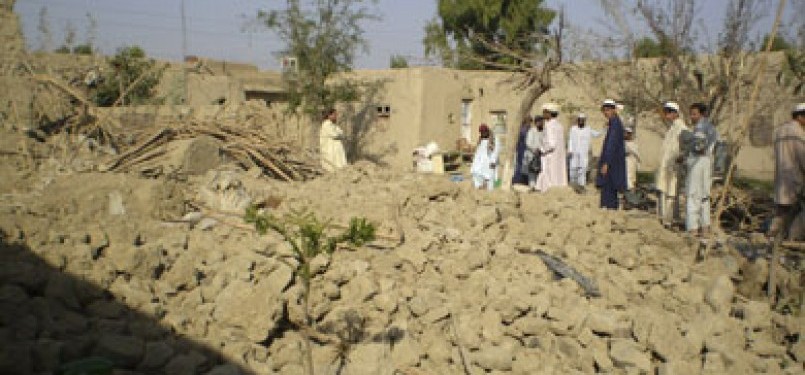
16 358
574 353
606 323
123 351
436 314
798 350
47 354
601 356
729 345
60 287
185 364
676 368
385 302
757 315
713 364
492 326
424 301
667 342
227 369
157 354
477 258
361 289
369 359
719 295
198 155
766 348
265 301
627 353
436 348
494 358
485 216
530 326
182 273
406 354
141 261
108 309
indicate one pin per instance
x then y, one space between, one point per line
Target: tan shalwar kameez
667 178
789 171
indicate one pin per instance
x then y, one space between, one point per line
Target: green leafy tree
459 33
778 44
132 78
324 37
83 49
650 47
398 62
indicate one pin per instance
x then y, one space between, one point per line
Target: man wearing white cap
554 157
667 177
789 176
578 149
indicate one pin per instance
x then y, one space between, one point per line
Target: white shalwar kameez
578 147
484 165
554 157
332 150
667 177
699 179
632 163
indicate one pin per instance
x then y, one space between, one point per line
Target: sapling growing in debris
309 237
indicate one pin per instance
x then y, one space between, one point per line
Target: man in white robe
578 149
331 145
485 160
554 156
667 177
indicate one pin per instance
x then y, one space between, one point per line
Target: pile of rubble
103 264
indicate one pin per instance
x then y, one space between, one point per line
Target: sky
221 29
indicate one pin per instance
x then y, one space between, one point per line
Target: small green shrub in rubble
309 237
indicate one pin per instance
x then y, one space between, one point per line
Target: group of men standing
543 137
687 158
686 162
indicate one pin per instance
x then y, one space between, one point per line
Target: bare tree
684 71
43 26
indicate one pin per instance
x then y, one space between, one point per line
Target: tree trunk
532 93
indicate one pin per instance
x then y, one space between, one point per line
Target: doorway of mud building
466 120
497 119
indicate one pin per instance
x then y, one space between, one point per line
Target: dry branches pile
246 147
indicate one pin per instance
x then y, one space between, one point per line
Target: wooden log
794 245
268 164
155 139
63 86
144 158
